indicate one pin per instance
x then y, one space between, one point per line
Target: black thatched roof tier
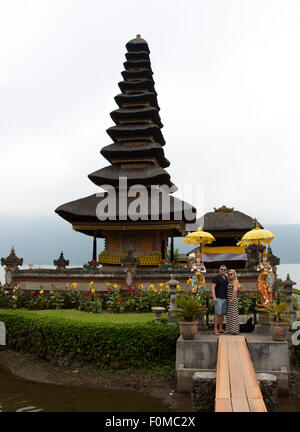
137 152
137 55
130 86
133 99
85 209
133 64
135 131
226 220
150 174
120 151
137 75
137 44
136 113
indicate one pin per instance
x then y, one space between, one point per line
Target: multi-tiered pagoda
136 155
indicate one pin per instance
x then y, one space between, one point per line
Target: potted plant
279 320
189 307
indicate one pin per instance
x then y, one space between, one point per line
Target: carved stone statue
198 279
265 279
253 255
273 259
130 264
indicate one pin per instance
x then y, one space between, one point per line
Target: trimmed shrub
127 345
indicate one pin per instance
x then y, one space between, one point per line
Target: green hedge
128 345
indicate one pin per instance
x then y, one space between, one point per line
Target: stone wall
204 391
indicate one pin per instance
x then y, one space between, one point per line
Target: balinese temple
139 244
136 232
136 154
228 226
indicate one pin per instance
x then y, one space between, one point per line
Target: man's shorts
221 306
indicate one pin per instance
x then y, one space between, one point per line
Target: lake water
18 395
21 395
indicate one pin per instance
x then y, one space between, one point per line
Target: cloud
226 74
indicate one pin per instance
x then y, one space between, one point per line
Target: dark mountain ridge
39 240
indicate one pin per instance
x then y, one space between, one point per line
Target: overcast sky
227 74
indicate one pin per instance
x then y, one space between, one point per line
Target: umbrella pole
172 251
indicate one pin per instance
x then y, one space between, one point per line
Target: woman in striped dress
232 316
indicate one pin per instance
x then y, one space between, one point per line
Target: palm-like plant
276 311
189 307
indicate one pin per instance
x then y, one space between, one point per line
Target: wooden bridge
237 389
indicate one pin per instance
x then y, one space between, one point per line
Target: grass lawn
88 317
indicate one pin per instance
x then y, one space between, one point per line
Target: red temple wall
146 242
113 242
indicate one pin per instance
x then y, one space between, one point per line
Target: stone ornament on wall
61 262
11 263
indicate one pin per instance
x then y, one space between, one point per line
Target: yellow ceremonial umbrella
256 236
199 237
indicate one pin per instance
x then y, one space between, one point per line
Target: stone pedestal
158 311
263 326
269 388
173 283
288 291
171 318
203 391
293 316
201 326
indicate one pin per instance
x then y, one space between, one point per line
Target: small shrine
228 226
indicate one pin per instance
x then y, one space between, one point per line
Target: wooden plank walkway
237 389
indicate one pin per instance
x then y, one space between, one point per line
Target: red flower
109 288
133 292
32 294
129 288
94 262
85 297
91 295
96 295
120 300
